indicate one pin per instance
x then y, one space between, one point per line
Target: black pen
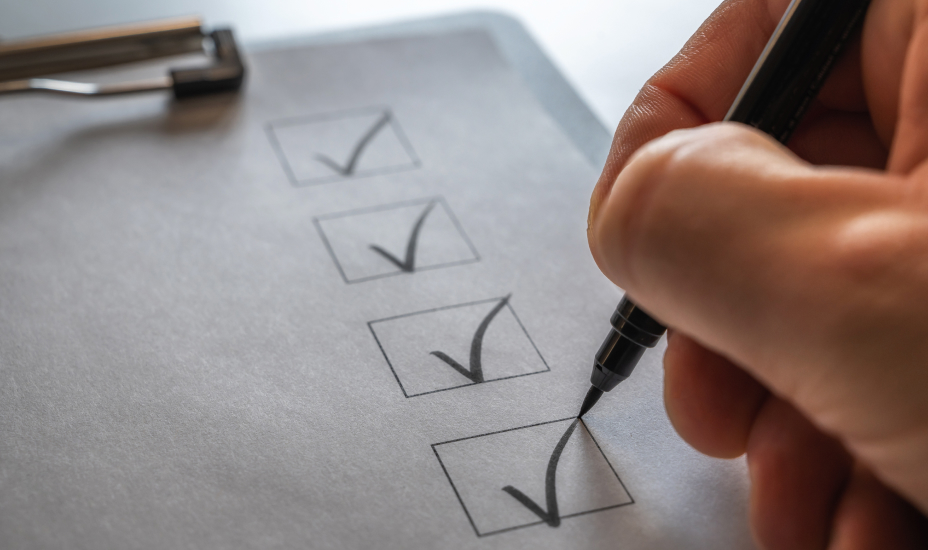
781 86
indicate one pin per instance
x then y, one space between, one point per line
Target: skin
794 280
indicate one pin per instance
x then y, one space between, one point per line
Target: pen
781 86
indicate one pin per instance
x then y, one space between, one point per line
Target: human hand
796 293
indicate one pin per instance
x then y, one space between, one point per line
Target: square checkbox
456 346
341 145
394 239
530 476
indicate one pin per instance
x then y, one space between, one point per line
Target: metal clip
25 65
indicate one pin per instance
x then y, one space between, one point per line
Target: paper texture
352 308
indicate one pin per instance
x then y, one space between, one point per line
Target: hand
796 293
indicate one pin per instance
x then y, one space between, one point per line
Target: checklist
352 307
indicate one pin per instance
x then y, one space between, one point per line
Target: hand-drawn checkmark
409 264
475 372
355 156
551 515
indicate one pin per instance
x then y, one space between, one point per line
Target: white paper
201 347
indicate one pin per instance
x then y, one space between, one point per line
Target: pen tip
592 397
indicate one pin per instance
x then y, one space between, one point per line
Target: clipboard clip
25 65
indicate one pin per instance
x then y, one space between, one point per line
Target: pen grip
633 331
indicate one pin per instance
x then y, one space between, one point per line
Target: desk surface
606 49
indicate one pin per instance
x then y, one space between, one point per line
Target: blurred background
606 49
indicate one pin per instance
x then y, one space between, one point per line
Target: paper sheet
352 308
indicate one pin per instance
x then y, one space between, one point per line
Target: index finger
698 85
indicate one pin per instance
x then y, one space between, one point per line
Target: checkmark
475 372
551 515
355 156
409 264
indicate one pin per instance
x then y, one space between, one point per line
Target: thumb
725 235
809 278
691 226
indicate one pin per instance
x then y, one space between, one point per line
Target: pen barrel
633 331
795 63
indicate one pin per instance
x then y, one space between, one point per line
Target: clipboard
25 64
251 320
